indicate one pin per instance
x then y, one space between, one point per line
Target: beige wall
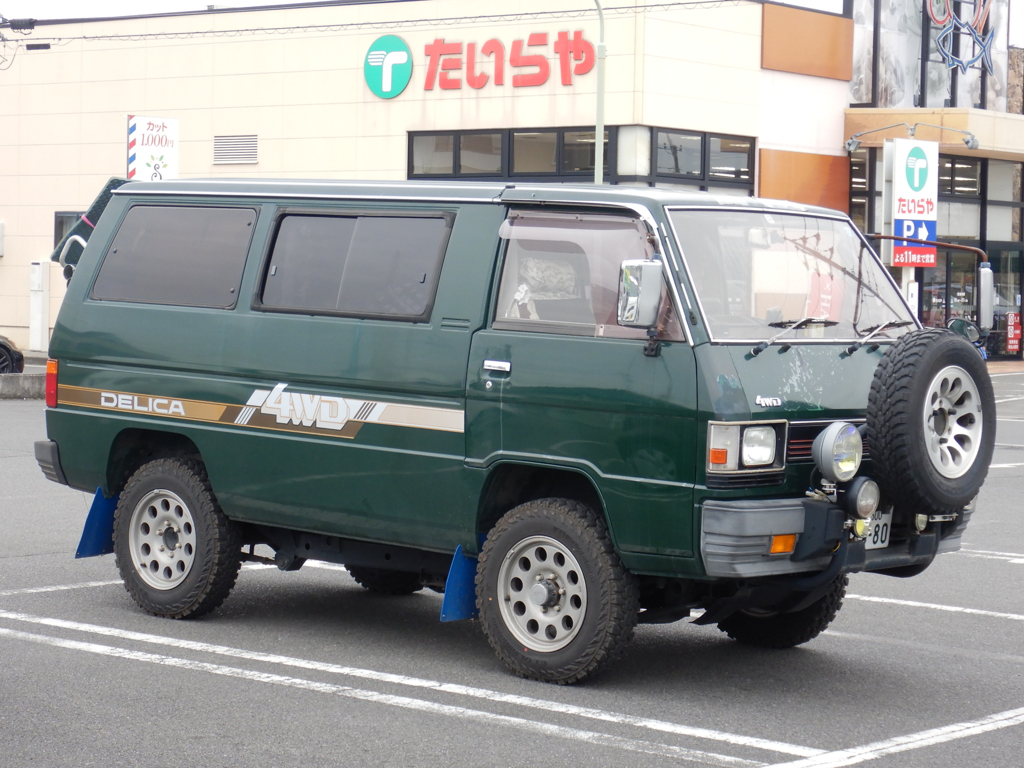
63 111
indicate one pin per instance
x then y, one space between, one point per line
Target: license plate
879 527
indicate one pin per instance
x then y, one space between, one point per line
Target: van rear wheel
556 604
177 552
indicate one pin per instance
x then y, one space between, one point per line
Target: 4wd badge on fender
768 402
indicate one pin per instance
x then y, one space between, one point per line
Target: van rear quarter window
181 255
362 266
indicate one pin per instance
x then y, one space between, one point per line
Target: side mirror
986 297
640 284
965 328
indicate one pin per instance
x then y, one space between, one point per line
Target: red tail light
51 383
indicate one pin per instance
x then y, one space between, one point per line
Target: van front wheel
177 552
556 604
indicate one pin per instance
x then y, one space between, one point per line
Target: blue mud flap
98 534
460 589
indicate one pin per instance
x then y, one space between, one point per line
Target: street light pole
599 127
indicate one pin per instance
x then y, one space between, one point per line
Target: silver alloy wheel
542 594
162 539
953 421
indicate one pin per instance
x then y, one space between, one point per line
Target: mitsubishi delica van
570 409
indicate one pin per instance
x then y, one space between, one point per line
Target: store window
535 152
679 154
730 159
63 222
480 153
634 154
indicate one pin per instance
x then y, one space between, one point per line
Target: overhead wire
391 24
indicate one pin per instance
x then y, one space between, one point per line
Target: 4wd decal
275 409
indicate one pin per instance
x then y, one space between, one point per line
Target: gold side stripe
389 414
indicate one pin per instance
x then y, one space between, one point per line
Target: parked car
11 359
569 408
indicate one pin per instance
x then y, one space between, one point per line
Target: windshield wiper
787 326
875 331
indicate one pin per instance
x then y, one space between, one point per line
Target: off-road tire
612 595
386 582
6 361
786 630
217 550
898 432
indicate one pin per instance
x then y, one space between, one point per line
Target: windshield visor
755 274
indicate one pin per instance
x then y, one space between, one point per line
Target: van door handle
497 365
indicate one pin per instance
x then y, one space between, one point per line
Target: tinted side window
177 255
362 266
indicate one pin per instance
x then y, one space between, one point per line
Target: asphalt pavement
308 669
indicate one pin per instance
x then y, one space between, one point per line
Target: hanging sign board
152 148
915 201
1013 332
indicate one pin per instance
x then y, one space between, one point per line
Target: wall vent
234 149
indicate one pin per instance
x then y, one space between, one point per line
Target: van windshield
758 273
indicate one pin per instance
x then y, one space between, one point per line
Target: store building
734 98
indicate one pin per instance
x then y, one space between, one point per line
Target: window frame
283 212
256 212
560 328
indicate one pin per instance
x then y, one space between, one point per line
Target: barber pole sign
152 148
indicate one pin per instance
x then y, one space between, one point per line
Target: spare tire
931 422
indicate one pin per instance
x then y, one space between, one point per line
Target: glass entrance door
1005 338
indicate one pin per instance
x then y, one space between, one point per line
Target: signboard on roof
915 201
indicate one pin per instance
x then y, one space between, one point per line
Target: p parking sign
387 68
915 186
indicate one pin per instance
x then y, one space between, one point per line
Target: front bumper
736 537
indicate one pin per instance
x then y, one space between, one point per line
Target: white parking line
57 588
1006 557
990 552
404 702
893 746
1009 400
415 682
1005 466
937 607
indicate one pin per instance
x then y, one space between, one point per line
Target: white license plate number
879 527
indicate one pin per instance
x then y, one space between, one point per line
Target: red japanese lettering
450 83
434 52
496 49
576 49
473 78
517 59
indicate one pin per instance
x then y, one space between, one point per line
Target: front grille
801 438
745 479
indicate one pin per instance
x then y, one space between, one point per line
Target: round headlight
862 497
837 451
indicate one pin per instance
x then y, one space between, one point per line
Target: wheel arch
510 484
133 447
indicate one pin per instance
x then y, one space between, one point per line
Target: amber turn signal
784 544
718 456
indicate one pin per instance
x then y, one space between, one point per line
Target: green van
568 408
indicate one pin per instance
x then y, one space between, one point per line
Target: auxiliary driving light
862 497
920 522
861 528
837 451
